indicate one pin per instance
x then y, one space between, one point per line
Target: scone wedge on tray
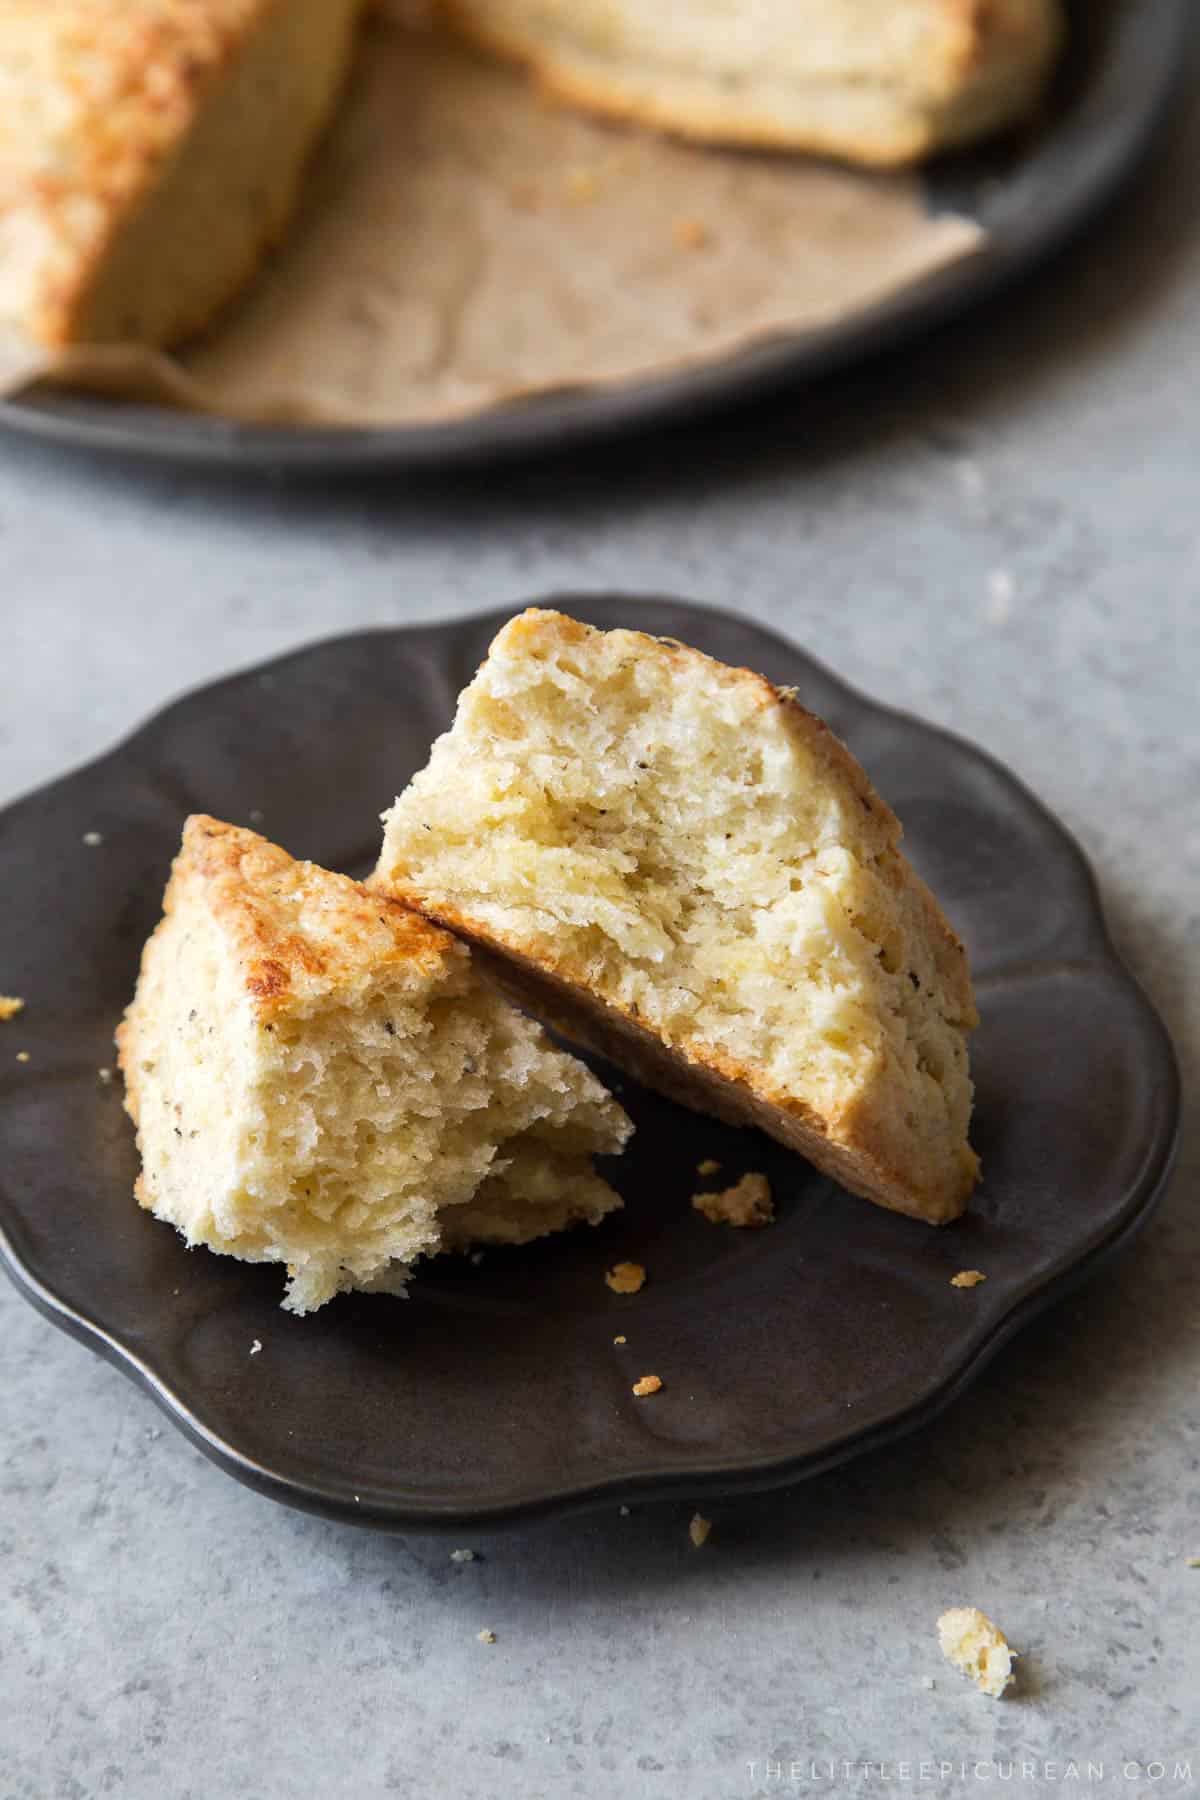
151 152
873 81
319 1078
674 863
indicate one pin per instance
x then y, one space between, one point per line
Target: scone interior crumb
671 835
973 1644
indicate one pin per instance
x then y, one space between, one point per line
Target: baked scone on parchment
872 81
671 861
151 152
320 1079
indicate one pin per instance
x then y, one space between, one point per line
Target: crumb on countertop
487 1637
623 1511
973 1644
748 1203
626 1278
105 1076
93 839
1193 1562
691 234
620 1340
649 1384
10 1006
710 1166
699 1529
967 1278
22 1056
256 1346
462 1556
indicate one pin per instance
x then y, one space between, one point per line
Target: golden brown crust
158 64
991 60
294 928
106 95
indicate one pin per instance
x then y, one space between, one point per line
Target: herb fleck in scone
676 864
875 81
320 1079
151 152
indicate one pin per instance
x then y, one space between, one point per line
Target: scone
151 152
675 863
873 81
320 1079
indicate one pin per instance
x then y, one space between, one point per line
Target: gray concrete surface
1002 532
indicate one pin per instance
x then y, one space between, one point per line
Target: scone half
872 81
319 1078
151 152
679 866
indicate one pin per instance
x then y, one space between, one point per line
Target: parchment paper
463 242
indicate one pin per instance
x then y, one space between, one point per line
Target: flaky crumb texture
704 883
320 1079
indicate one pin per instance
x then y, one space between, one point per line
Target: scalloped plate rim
741 1475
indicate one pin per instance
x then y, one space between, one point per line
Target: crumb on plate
967 1278
748 1203
104 1076
649 1384
22 1056
973 1644
710 1166
487 1637
10 1006
93 839
626 1278
620 1340
699 1529
462 1556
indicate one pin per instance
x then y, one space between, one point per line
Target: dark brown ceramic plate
1032 193
497 1391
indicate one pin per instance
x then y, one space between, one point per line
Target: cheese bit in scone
674 863
973 1644
320 1079
152 152
875 81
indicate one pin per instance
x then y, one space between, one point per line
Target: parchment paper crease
463 242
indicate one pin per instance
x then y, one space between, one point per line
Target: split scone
873 81
677 864
151 152
320 1079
